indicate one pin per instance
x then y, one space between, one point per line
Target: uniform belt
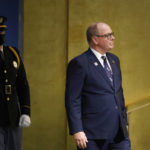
8 89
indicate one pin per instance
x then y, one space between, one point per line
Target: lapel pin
95 63
113 61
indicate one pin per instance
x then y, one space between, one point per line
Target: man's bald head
91 30
100 37
95 29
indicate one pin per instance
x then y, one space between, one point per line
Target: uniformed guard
14 94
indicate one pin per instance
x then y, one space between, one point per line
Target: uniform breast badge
15 64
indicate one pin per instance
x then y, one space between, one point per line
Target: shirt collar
98 55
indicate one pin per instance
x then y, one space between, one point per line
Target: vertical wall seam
67 59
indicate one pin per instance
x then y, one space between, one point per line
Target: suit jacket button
116 107
5 71
6 80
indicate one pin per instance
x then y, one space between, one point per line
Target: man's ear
94 40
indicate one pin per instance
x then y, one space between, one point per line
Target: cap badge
1 20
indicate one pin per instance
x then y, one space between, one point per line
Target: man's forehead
102 27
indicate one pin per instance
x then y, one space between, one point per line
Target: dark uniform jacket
14 89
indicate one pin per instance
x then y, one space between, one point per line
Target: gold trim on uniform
3 26
5 71
8 98
15 53
26 106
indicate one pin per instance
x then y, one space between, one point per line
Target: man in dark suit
14 95
94 96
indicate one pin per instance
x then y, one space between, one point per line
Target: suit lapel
97 65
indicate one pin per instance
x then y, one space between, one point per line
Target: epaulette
16 55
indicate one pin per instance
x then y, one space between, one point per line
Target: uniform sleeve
74 84
23 89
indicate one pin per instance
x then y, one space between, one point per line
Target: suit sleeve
124 113
23 90
124 110
74 84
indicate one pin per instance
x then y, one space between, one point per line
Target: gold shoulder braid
15 53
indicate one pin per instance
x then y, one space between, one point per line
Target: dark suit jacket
14 89
92 104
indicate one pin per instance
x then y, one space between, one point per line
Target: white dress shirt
99 57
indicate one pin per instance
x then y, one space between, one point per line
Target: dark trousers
116 143
108 145
10 138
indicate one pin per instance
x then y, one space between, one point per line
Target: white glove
24 121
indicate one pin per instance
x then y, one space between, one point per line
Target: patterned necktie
107 70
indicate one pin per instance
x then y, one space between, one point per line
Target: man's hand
24 121
127 128
80 139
